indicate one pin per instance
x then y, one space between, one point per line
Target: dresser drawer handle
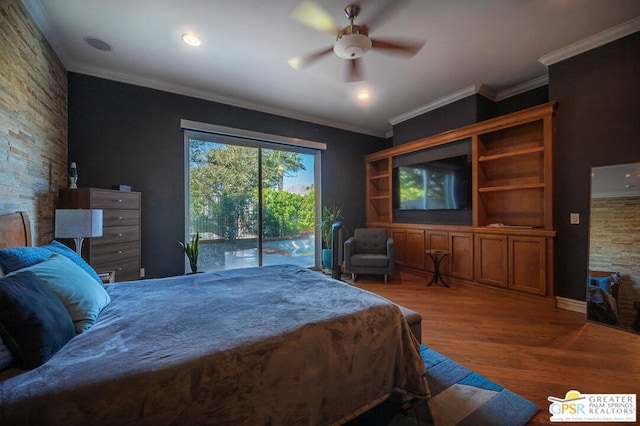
119 252
119 235
119 200
119 269
119 217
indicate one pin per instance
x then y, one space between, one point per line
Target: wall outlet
574 218
141 272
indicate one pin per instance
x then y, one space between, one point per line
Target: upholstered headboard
15 230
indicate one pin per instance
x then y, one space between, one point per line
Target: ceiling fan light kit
352 41
352 46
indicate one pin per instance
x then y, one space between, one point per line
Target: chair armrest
390 247
349 248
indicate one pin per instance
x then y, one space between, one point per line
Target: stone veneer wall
33 120
615 246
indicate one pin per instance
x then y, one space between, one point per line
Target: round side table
437 256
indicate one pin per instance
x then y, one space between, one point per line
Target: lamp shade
78 223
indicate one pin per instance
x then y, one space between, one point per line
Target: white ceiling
487 46
621 180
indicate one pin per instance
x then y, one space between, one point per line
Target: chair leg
385 278
353 277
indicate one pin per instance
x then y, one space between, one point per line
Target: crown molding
213 97
480 89
543 80
596 40
38 15
632 193
445 100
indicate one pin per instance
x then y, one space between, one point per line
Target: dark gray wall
451 116
125 134
469 110
597 124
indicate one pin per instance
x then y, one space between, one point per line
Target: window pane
288 216
223 204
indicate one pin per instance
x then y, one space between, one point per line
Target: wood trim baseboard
571 305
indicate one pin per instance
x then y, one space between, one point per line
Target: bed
270 345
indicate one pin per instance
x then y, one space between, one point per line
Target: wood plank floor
523 344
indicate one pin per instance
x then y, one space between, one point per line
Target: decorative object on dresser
78 224
73 176
119 247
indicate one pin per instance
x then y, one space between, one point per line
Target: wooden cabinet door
437 240
400 245
461 255
491 259
528 264
415 248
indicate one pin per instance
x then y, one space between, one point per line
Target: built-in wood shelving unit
512 185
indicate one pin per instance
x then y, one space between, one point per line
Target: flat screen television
443 184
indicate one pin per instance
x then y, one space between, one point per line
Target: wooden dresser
119 247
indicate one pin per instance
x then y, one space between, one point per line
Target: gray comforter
271 345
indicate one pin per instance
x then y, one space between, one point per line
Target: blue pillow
602 282
16 258
80 294
34 324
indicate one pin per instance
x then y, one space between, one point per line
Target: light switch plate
574 218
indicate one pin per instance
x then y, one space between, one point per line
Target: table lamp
78 224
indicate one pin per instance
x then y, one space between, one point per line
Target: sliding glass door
228 180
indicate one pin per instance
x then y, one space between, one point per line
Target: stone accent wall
33 120
615 246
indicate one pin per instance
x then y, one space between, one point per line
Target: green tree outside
224 196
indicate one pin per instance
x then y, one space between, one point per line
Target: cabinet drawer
120 217
114 200
126 269
114 252
116 234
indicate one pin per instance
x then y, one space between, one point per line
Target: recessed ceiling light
96 43
363 95
191 39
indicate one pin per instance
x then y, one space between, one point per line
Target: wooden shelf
379 190
385 176
510 154
511 187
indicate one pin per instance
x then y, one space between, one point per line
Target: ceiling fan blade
401 47
384 13
354 72
302 61
314 16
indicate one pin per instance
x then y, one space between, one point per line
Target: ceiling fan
352 41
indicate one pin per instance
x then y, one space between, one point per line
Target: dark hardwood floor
521 343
